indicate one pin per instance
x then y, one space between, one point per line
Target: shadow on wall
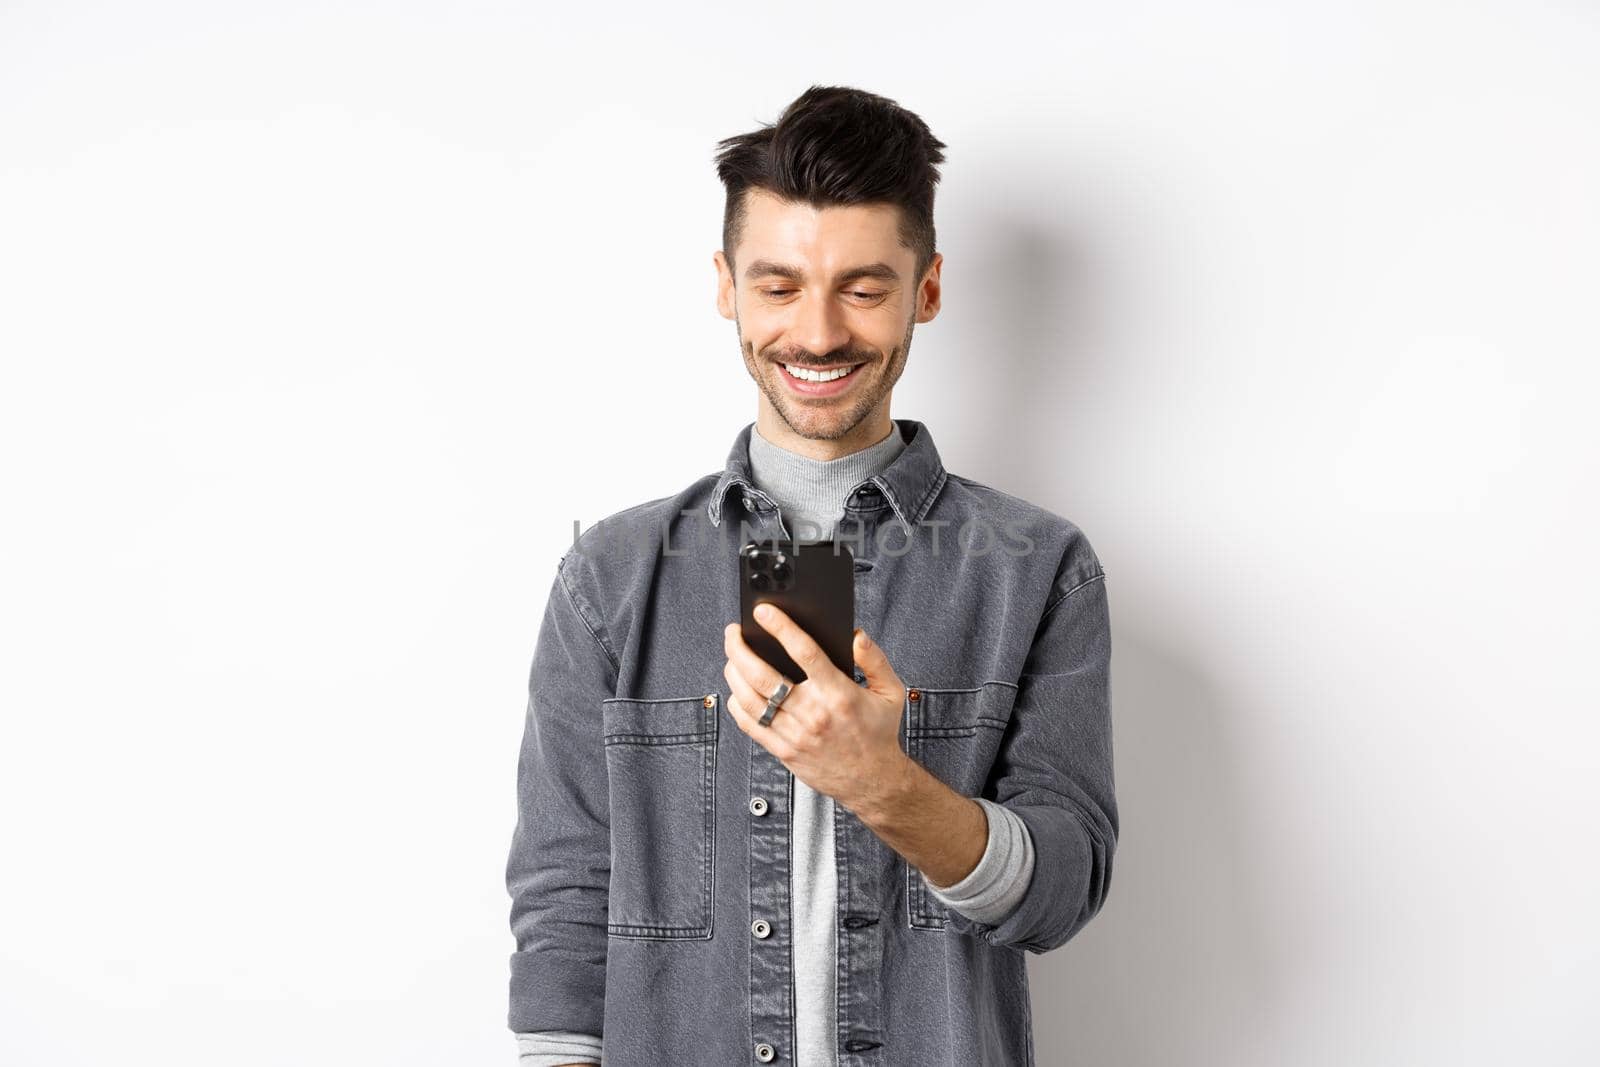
1179 968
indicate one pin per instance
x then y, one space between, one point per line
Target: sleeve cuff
556 1048
995 886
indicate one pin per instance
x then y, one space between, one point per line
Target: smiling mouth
820 375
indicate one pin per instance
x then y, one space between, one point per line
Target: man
710 867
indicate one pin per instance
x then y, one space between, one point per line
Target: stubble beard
818 425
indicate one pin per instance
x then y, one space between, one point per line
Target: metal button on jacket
651 829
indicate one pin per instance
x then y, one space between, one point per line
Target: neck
864 434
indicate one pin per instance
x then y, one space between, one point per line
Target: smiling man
711 867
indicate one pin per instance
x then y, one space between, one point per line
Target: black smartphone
814 583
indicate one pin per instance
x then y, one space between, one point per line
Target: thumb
881 677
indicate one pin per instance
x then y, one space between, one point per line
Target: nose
819 326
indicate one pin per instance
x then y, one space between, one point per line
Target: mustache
831 360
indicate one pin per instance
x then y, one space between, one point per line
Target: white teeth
806 374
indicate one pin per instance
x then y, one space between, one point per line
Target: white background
322 323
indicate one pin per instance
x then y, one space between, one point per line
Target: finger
766 736
874 664
801 646
757 673
741 718
750 697
742 691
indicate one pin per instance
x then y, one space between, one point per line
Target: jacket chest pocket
955 734
661 759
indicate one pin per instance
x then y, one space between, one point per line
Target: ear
928 290
725 288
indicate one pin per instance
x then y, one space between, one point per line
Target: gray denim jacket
653 833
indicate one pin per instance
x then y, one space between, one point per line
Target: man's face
825 290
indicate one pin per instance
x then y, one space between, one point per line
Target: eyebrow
765 268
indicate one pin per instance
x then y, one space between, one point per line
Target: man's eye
863 294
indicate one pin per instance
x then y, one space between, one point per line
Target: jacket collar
910 483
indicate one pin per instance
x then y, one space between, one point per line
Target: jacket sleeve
1054 771
559 869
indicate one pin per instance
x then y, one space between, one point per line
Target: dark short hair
835 145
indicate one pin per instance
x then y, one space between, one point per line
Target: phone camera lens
760 582
758 561
780 572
